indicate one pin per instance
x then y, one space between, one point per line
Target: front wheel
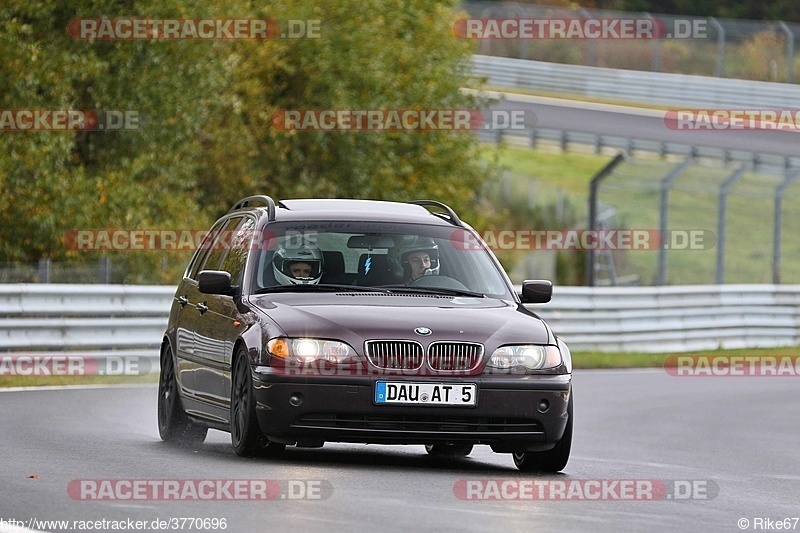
553 460
246 436
173 424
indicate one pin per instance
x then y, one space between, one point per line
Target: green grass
578 98
541 177
580 360
43 381
570 172
644 360
693 206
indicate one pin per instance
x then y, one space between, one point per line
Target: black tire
449 450
553 460
246 436
173 424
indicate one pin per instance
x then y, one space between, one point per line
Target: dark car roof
367 210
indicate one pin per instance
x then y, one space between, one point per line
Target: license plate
462 394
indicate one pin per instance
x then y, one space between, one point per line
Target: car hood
355 318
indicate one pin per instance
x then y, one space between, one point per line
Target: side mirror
214 282
537 291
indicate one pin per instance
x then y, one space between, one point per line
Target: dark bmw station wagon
306 321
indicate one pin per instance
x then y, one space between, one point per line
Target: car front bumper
507 416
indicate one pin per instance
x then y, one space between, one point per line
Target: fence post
594 187
523 43
777 226
655 65
722 213
44 270
105 270
592 44
720 73
666 184
789 50
531 194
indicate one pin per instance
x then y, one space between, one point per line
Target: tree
52 182
370 55
205 136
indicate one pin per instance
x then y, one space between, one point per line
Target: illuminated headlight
311 350
528 356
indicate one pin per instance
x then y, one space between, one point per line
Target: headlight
527 356
311 350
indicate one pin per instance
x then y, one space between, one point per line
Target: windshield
353 255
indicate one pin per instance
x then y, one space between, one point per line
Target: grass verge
587 360
580 360
44 381
632 193
579 98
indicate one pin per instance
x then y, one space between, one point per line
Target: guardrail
635 86
598 142
129 321
720 47
676 318
104 322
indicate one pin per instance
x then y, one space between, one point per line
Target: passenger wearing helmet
297 263
419 261
419 257
300 270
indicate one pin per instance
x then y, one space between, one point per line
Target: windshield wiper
386 289
327 287
434 290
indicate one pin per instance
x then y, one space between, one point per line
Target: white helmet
409 245
297 263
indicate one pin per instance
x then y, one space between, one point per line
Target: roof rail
266 200
450 214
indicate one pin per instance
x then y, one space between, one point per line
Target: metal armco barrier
98 321
635 86
129 321
676 318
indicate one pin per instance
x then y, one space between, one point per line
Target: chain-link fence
745 49
47 271
710 223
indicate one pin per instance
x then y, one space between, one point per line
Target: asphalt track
642 124
738 437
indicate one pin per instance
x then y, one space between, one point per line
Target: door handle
183 300
202 307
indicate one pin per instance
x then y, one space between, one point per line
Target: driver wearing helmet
297 263
419 258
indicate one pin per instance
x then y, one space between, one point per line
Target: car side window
236 257
202 252
216 247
